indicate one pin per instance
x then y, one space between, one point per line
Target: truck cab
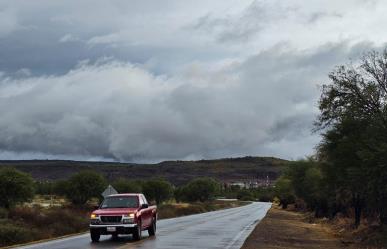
123 214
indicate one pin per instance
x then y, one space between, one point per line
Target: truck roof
125 194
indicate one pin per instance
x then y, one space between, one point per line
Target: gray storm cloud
121 111
153 80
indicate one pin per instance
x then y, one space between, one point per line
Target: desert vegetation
347 176
33 210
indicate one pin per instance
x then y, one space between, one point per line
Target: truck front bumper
114 229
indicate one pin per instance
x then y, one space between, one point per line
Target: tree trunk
383 216
358 210
357 204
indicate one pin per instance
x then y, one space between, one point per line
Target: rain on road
224 229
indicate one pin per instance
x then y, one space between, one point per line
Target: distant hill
177 172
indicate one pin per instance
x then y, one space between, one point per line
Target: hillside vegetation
177 172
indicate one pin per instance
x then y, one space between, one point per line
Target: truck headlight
127 220
93 216
129 215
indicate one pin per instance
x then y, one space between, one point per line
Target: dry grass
282 229
293 229
172 210
25 224
368 235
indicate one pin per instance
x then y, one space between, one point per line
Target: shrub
200 189
284 191
28 215
158 190
123 185
3 213
12 234
60 187
177 210
15 187
62 222
54 221
44 187
85 185
245 195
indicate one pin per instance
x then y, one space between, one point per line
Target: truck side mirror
144 206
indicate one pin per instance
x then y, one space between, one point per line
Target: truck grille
111 219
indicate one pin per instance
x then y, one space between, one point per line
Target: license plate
111 229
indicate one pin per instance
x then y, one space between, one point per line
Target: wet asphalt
224 229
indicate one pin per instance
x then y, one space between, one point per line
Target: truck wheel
94 235
152 228
138 233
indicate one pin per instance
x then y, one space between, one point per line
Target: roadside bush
62 222
176 210
15 187
12 234
28 215
123 185
60 187
85 185
158 190
44 188
182 209
3 213
26 224
245 195
284 192
200 189
192 209
54 221
265 194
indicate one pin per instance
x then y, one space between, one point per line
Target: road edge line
44 240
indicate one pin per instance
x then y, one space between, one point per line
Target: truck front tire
137 234
152 228
95 235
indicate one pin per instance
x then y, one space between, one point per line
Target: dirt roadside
282 229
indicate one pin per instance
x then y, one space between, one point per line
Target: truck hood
115 211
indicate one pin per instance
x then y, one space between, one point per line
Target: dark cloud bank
151 81
110 109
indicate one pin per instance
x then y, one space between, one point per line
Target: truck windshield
120 202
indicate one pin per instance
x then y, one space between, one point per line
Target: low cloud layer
155 80
116 110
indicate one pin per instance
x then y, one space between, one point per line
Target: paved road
224 229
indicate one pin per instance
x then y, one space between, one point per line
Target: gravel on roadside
287 229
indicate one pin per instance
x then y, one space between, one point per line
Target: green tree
344 168
85 185
123 185
61 187
44 187
265 194
15 187
354 123
245 195
306 181
200 189
284 191
158 190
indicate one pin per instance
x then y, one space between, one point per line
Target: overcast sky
145 81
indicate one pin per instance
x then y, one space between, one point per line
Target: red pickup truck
123 214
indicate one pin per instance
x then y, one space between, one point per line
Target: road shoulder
287 229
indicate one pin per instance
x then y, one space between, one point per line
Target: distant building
251 183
